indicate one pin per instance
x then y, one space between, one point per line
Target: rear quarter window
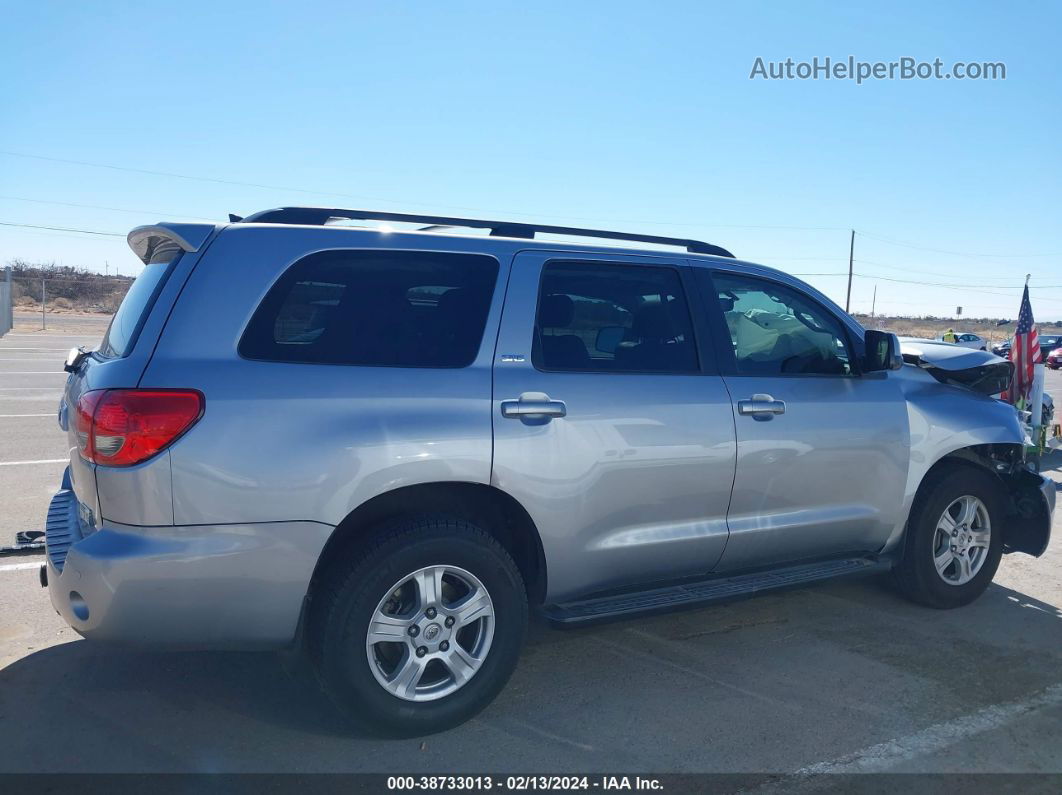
375 308
127 321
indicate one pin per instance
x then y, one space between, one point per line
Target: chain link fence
48 296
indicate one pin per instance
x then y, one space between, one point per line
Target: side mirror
609 338
882 352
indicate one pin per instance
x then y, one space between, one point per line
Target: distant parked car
1049 343
967 340
1054 359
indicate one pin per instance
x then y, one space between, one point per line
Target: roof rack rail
318 216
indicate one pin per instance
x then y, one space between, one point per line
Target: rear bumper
204 586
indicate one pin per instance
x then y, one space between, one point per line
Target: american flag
1024 351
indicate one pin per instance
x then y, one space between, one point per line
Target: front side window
375 308
595 317
775 330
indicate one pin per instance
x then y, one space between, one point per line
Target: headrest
653 322
455 301
727 303
556 311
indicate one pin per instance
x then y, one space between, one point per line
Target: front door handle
761 407
533 406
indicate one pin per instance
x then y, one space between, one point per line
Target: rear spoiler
163 242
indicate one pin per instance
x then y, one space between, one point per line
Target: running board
714 589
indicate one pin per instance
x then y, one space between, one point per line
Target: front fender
945 420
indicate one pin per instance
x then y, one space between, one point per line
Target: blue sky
638 116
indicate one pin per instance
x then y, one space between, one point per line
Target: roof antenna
235 219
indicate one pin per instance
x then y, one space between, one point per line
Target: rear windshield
126 323
375 308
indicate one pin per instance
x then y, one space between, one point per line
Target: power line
906 244
922 270
263 186
111 209
970 287
356 197
63 229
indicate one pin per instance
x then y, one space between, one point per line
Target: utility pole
874 302
106 268
44 298
851 254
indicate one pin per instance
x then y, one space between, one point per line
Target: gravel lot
840 677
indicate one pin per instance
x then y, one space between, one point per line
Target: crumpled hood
980 371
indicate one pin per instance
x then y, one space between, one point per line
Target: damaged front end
988 434
979 371
1030 496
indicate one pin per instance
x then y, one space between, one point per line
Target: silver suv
386 444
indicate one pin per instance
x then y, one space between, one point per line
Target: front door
611 426
822 450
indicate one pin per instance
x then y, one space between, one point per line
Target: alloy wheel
961 541
430 633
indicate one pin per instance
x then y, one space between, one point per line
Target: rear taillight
122 427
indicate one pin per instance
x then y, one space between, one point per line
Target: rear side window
613 319
125 325
375 308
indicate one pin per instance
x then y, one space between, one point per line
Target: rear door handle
761 407
533 406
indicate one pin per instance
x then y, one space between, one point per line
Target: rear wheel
954 541
423 630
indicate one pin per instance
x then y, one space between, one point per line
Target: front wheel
422 630
954 539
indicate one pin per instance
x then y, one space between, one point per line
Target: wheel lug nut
422 650
414 631
449 621
430 612
444 646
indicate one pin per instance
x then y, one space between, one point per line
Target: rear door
822 450
611 424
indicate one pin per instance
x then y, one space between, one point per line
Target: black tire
915 575
350 591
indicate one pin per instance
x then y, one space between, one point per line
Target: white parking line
25 463
29 360
57 350
939 736
33 372
8 416
21 566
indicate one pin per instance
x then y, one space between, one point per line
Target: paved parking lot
835 678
